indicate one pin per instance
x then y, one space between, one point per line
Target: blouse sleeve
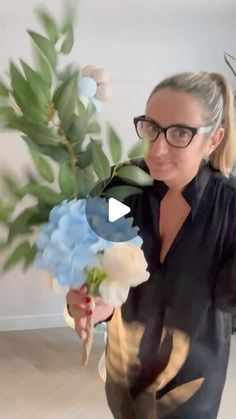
225 291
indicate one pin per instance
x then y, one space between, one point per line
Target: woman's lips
162 165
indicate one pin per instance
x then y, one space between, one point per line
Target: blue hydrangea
67 244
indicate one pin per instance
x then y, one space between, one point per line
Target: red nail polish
87 300
89 312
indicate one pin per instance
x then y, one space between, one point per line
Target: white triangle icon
116 209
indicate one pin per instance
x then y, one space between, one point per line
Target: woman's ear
216 139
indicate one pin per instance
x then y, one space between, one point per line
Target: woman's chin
162 172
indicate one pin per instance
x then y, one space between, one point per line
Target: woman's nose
160 146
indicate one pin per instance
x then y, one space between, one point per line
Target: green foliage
5 212
139 150
23 252
36 131
68 42
41 102
42 66
43 166
65 97
115 145
27 100
49 25
94 277
122 192
22 223
38 85
100 161
4 92
135 174
227 58
67 181
45 46
85 181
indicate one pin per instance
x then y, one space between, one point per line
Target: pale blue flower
67 244
87 87
97 103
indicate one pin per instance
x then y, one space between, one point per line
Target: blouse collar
192 192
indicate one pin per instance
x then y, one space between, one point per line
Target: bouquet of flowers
55 112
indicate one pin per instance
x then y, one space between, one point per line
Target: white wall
139 43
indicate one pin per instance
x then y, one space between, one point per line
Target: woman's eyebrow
152 120
181 124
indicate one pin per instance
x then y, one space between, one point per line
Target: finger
80 327
83 335
76 297
84 289
81 310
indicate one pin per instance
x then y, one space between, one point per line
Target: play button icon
107 219
116 210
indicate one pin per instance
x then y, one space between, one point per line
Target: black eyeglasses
179 136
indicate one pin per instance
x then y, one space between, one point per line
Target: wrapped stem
87 343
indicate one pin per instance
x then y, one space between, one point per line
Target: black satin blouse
180 319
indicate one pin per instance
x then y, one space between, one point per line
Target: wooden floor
41 378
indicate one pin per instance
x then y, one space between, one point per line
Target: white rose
126 267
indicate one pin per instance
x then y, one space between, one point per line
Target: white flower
113 292
126 267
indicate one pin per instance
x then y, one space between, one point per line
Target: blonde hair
215 92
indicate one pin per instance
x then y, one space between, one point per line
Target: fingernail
87 300
89 312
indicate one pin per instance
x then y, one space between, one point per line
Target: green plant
42 103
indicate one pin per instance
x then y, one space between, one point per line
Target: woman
168 345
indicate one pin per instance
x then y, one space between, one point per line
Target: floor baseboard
42 321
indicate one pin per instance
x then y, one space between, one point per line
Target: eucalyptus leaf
101 163
42 165
121 192
83 113
21 224
115 145
4 91
228 62
134 174
67 71
85 181
94 128
42 66
39 133
3 245
91 110
67 181
45 46
59 153
69 15
5 212
37 84
139 150
65 97
12 185
29 257
7 114
17 255
49 25
44 193
68 42
24 96
75 128
84 158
